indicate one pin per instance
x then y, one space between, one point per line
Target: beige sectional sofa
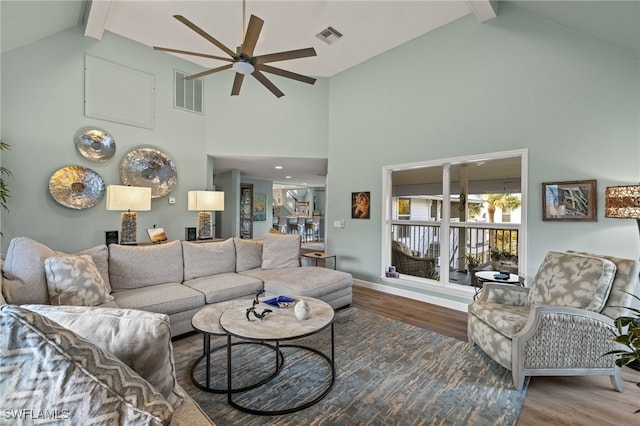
114 347
176 278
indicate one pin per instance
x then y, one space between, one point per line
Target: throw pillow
205 259
23 269
74 380
248 254
281 251
75 280
572 280
100 256
140 339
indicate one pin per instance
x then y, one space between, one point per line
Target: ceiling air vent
188 93
329 35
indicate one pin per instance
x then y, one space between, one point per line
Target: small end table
321 255
489 277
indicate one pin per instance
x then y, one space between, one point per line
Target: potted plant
4 189
472 261
629 337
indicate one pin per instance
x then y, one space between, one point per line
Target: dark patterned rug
387 373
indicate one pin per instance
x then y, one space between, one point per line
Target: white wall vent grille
188 93
329 35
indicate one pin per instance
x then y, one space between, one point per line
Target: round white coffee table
278 326
207 322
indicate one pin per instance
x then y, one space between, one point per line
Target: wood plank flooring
588 400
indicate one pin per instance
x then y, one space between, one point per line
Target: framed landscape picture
569 201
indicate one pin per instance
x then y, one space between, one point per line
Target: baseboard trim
451 304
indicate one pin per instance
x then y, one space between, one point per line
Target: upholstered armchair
563 324
406 262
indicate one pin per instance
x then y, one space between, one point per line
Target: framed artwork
259 207
569 201
360 205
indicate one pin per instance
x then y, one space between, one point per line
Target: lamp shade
124 198
206 200
622 202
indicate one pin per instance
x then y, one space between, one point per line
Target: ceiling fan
242 61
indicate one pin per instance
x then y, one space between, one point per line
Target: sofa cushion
55 369
572 280
23 269
141 266
309 281
248 254
281 251
142 340
167 298
75 280
210 258
506 319
217 288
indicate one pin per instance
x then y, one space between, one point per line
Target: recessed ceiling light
279 167
287 177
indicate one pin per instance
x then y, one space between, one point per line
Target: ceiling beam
484 10
97 18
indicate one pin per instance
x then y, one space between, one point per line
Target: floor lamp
623 202
205 202
126 199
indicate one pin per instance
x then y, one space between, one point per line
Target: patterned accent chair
406 262
563 324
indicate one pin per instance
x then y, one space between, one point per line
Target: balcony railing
483 241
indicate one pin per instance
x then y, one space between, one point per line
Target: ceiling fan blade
211 71
200 31
267 83
284 56
186 52
237 84
285 73
251 37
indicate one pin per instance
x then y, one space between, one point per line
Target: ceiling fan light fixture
243 67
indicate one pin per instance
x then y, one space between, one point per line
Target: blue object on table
501 276
280 301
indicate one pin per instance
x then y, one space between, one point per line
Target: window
454 210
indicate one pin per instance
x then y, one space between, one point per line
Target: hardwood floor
588 400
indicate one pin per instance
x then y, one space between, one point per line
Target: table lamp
205 202
623 202
126 199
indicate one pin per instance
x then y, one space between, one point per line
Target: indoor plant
4 189
629 337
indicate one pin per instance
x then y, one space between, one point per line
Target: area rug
387 373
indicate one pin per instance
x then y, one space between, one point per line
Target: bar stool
313 229
299 227
282 224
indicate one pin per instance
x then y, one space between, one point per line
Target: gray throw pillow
210 258
75 280
248 254
281 251
23 269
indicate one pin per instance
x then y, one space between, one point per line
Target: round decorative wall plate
95 144
76 187
149 167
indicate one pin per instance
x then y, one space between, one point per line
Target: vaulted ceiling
369 28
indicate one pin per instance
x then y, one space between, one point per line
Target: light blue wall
469 88
42 104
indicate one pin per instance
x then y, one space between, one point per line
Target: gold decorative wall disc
76 187
95 144
150 168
